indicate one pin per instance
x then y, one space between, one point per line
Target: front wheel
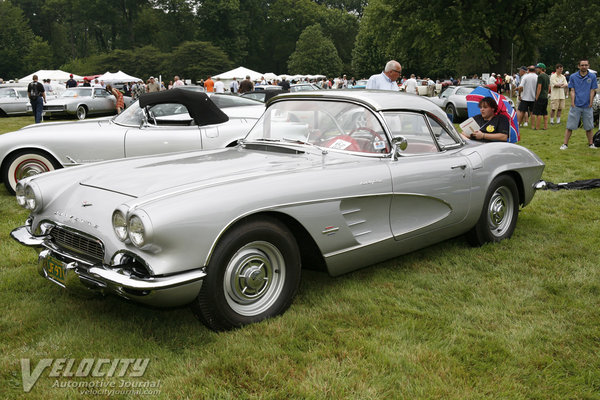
498 218
26 163
253 274
81 112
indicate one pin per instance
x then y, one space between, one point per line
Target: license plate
55 269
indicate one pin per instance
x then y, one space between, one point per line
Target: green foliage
15 37
196 60
314 54
193 60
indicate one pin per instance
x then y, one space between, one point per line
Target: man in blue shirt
387 79
583 87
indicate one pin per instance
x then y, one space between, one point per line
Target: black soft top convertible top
199 105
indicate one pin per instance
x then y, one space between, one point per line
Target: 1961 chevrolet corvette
332 179
163 122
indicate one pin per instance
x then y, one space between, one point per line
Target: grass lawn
516 320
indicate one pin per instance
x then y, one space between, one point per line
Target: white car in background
163 122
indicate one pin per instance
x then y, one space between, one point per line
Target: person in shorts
558 83
540 107
527 89
582 87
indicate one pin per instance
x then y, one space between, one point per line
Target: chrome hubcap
29 168
254 278
500 211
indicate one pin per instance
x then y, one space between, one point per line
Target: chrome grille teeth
77 243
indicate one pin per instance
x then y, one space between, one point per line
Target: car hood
143 176
64 125
67 100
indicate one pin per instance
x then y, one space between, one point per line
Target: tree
16 38
442 37
314 53
196 60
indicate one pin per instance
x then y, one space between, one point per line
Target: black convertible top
199 105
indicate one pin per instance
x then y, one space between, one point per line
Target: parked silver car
83 101
453 100
13 101
169 121
228 231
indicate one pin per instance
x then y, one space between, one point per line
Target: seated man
492 127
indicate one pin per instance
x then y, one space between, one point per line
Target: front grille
88 247
54 108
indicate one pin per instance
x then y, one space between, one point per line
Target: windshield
83 92
7 93
159 114
330 124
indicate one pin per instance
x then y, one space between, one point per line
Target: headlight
32 197
20 194
119 223
140 229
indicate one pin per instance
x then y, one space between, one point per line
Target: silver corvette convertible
327 179
168 121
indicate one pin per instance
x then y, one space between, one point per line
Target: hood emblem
86 204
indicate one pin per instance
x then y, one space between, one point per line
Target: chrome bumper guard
79 273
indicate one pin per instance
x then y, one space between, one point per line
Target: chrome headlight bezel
120 225
33 200
20 194
139 228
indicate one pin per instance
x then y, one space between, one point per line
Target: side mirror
399 144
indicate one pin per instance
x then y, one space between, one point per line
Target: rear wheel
26 163
253 274
81 112
451 111
498 218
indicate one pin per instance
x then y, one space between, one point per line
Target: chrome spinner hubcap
254 278
500 211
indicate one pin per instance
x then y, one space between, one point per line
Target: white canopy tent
55 75
117 77
240 73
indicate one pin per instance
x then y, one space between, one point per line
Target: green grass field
516 320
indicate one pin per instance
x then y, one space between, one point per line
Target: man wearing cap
152 85
71 82
583 87
540 107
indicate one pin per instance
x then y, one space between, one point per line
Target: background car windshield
7 93
335 125
226 100
83 92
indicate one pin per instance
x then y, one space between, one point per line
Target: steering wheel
373 138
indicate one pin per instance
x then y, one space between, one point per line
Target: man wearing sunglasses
387 79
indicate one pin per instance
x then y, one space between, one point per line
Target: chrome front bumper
82 275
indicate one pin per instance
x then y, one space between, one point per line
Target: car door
430 187
168 129
16 102
102 101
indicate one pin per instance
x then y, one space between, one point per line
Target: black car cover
199 105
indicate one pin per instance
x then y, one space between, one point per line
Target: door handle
462 166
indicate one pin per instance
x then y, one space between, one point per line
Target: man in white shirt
411 85
177 81
527 89
219 86
387 79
